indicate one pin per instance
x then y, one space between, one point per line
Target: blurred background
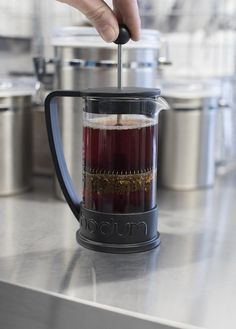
200 35
196 44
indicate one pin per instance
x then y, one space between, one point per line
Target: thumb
100 15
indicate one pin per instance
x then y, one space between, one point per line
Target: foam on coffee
127 122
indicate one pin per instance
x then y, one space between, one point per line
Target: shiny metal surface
15 144
40 310
225 136
190 280
187 144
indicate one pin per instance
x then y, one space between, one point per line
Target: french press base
118 233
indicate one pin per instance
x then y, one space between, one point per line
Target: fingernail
108 33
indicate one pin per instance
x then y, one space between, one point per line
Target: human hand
106 20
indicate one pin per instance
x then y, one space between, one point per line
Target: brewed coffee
120 164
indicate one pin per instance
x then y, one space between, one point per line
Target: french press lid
125 92
128 100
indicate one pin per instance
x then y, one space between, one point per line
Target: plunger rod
119 78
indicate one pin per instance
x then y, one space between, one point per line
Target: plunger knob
124 35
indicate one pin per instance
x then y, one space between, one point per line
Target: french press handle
54 138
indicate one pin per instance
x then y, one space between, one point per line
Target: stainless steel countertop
190 280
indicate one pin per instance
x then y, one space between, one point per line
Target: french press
118 211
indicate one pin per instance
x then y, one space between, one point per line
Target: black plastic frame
115 233
118 233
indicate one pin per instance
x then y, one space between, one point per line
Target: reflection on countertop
190 279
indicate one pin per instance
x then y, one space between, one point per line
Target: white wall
198 54
16 18
53 15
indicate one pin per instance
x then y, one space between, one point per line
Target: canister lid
88 37
187 89
191 94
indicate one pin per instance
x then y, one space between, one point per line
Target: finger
100 15
127 12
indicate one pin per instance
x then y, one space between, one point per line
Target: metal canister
225 137
187 140
15 139
83 60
